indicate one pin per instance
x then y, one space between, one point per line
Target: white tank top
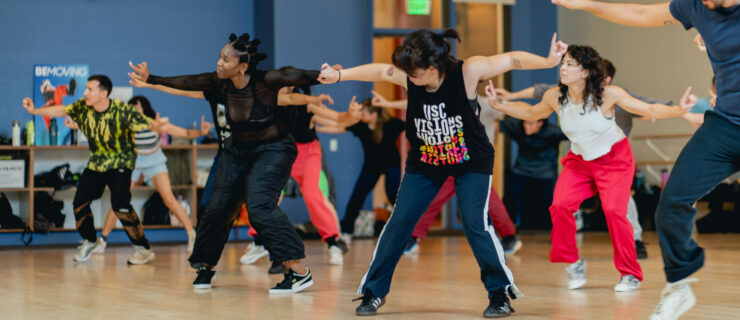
591 134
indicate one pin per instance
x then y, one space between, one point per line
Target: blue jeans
712 155
416 193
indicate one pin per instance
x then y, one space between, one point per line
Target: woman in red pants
600 158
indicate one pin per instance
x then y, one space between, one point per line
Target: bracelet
340 75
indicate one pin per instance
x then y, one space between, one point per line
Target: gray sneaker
87 249
576 274
141 255
627 283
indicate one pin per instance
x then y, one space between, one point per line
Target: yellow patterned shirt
110 133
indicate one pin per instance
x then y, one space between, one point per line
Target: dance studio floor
440 282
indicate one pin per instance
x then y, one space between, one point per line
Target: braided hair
247 50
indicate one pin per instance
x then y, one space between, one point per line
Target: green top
110 133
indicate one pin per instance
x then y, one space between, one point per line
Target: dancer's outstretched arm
523 110
380 101
50 111
628 14
655 110
367 72
197 82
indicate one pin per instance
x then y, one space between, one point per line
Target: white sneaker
100 248
141 255
676 299
191 242
254 253
335 256
576 274
346 237
87 249
627 283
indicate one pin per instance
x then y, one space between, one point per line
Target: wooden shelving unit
32 153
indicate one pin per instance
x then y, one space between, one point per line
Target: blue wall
174 36
307 34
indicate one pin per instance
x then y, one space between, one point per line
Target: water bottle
165 138
30 133
195 127
73 137
16 133
639 181
53 132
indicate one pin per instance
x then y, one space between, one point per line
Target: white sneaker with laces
677 298
254 253
100 248
627 283
346 237
87 249
576 274
141 255
335 256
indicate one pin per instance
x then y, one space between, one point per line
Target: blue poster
56 84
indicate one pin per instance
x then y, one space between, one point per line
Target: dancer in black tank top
447 139
255 160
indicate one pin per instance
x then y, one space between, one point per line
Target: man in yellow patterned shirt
109 126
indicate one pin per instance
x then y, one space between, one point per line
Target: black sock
331 241
105 238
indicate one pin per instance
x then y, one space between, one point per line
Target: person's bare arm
628 14
50 111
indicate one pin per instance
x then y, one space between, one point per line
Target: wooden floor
441 282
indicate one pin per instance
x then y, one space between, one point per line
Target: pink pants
307 172
496 210
610 175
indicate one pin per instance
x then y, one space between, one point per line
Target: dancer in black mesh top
256 160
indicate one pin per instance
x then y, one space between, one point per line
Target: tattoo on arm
670 22
389 72
516 63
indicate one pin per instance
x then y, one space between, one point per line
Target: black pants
528 201
365 183
255 174
91 187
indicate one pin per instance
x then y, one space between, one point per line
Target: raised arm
522 110
367 72
50 111
299 99
628 14
289 76
655 110
380 101
181 132
190 94
197 82
479 68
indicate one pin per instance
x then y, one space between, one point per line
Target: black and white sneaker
276 268
204 278
293 282
369 306
498 306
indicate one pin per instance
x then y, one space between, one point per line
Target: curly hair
591 61
423 49
247 50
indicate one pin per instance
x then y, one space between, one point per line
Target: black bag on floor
47 213
7 219
155 212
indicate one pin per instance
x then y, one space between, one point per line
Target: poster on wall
56 84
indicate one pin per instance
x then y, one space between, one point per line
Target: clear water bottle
16 133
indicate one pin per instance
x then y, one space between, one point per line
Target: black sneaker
277 268
293 282
342 245
498 306
204 278
369 306
641 250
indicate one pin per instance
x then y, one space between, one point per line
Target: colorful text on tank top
444 141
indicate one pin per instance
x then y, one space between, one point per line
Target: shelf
10 230
14 189
137 187
60 148
8 147
160 226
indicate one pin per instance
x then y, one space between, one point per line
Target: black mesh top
250 111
